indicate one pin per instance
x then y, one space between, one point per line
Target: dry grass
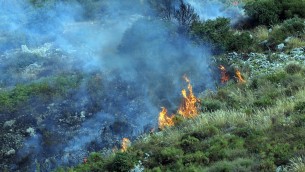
295 43
261 33
296 165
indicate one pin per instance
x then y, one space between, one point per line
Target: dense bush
294 26
268 12
220 36
240 42
216 32
265 12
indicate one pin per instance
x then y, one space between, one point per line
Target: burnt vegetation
252 121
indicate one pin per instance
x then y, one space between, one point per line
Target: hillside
156 85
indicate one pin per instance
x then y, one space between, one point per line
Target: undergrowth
254 126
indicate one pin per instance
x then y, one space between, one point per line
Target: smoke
140 58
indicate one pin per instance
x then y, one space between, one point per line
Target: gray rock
297 51
10 152
281 46
9 123
30 131
287 39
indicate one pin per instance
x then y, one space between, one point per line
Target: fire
224 76
125 144
240 79
188 108
164 119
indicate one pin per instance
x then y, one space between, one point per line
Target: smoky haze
140 58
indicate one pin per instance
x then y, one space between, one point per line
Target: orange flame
224 76
164 119
125 144
188 108
240 79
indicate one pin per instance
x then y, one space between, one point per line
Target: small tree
265 12
215 32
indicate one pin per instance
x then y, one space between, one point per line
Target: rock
82 114
287 39
30 131
10 152
9 123
281 46
297 51
264 42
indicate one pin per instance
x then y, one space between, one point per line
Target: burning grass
224 75
227 138
165 120
188 107
125 144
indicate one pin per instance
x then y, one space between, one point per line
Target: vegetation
269 12
23 95
252 126
258 125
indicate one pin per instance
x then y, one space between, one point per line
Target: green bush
197 157
292 8
122 162
293 27
264 12
269 12
277 36
216 32
189 143
241 42
170 155
211 105
264 102
300 107
206 132
293 68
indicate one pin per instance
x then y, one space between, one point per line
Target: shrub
197 157
216 32
261 33
240 42
300 107
292 8
170 155
293 68
205 133
296 165
212 105
277 36
122 162
295 43
189 143
264 102
294 26
268 12
264 12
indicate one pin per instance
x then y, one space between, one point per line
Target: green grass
254 126
23 95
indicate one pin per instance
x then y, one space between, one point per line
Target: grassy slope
256 126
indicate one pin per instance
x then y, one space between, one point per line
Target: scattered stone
10 152
9 123
82 114
297 51
30 131
281 46
287 39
